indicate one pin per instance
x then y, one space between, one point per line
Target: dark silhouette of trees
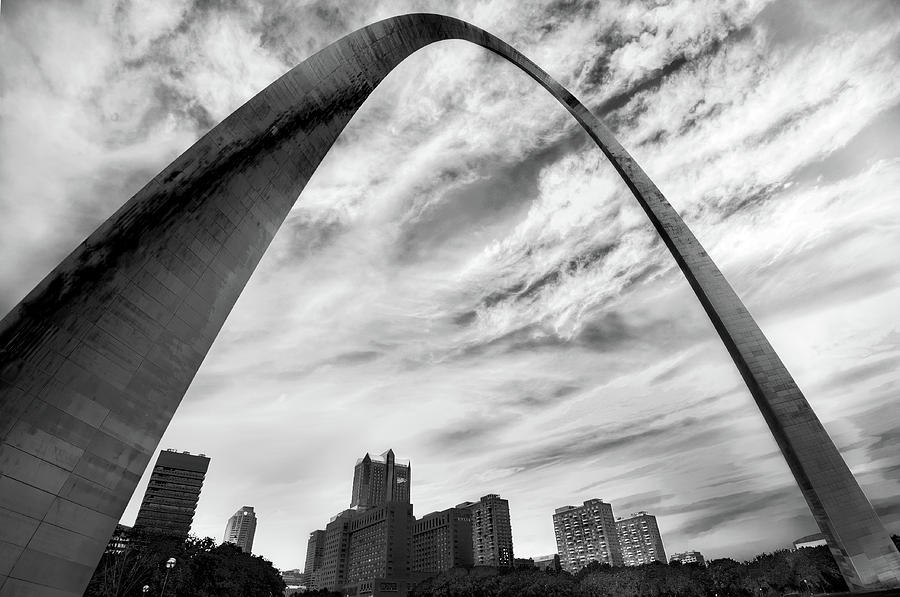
202 569
768 575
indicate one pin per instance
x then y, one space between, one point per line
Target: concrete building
586 534
550 562
688 557
332 575
378 546
365 550
315 552
640 540
170 501
97 357
241 528
379 480
119 540
492 543
442 540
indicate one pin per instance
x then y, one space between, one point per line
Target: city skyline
574 314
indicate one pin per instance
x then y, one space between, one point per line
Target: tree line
804 571
201 569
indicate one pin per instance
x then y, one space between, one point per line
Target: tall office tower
491 532
585 534
240 529
378 545
379 480
172 494
442 540
640 540
315 551
689 557
333 572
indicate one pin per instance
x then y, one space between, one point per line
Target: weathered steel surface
95 360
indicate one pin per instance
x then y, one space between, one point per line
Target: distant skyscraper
585 534
172 494
442 540
492 543
315 552
380 480
366 548
640 540
240 529
688 557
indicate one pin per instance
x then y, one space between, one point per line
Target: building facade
586 534
365 550
315 552
492 543
688 557
333 573
442 540
241 528
378 544
640 540
379 480
170 501
550 562
119 540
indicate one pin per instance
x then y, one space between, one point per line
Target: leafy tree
202 569
767 575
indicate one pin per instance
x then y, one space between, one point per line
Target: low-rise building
688 557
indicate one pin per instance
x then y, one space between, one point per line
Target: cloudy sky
466 280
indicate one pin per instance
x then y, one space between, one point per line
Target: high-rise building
379 480
333 573
688 557
378 545
442 540
366 549
492 543
167 509
240 529
315 551
586 534
640 540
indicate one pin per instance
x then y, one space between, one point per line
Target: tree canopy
202 569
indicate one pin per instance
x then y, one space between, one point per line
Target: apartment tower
491 531
586 534
315 551
640 540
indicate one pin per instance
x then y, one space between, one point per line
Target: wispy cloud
466 280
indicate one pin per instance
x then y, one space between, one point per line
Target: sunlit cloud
466 280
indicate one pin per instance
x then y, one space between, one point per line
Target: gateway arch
95 360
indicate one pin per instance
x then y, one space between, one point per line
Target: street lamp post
170 563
